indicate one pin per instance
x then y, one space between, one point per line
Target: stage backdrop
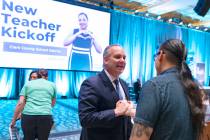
47 34
140 37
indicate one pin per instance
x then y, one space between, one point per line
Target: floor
67 126
65 114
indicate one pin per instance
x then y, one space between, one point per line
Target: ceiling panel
184 7
181 10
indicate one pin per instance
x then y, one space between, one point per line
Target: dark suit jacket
97 101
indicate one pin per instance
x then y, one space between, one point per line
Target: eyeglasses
155 55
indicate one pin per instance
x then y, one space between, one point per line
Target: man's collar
111 78
169 70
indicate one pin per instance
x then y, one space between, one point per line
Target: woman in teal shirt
37 98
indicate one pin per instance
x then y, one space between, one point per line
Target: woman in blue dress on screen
81 40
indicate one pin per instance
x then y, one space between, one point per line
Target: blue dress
80 56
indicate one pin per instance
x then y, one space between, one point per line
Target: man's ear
105 60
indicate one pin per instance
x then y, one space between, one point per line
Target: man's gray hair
106 50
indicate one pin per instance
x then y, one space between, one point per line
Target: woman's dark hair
176 53
83 14
32 72
43 73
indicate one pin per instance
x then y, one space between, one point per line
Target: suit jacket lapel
108 83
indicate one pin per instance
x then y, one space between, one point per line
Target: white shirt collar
111 78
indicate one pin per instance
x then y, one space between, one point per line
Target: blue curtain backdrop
140 38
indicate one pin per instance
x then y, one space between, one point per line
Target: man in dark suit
104 110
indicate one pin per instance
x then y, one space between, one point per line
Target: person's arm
89 113
97 46
147 112
53 102
70 38
141 132
19 108
54 95
95 43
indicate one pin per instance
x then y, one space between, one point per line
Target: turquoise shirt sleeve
23 91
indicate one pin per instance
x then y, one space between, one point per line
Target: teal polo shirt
39 94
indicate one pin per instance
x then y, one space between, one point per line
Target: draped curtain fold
139 36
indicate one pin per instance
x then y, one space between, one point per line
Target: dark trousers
36 125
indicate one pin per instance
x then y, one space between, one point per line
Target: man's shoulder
160 82
92 79
155 82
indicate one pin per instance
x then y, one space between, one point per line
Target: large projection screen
37 34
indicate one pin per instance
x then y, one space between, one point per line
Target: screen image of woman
82 40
